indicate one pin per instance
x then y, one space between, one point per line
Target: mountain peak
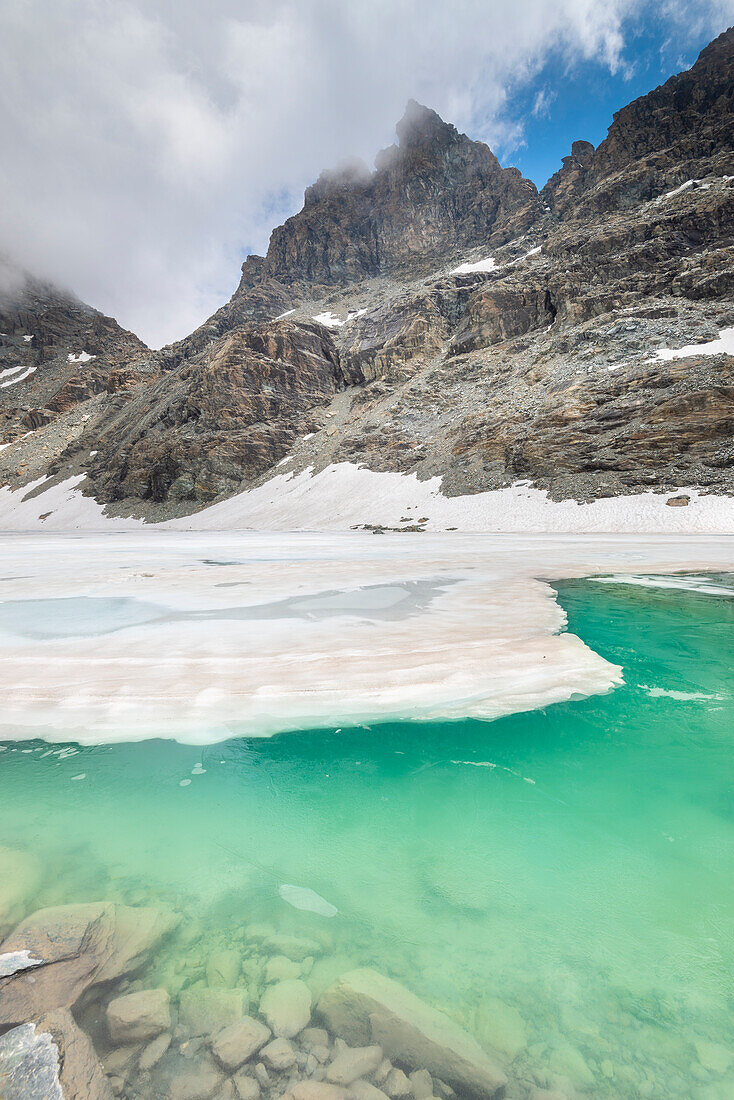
422 126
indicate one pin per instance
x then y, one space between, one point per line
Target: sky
147 146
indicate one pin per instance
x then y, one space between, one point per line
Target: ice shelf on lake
202 637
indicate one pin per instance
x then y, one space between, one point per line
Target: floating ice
302 897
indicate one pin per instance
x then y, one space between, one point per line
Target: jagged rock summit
434 315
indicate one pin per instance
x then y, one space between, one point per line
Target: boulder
287 1007
246 1087
29 1065
154 1051
351 1063
397 1085
238 1042
422 1084
363 1090
80 946
197 1082
316 1090
363 1006
280 968
209 1011
138 1016
279 1055
51 1059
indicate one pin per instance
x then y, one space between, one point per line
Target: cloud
147 146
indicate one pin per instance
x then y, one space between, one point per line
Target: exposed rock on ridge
377 329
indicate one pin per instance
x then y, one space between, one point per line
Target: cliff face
437 315
433 193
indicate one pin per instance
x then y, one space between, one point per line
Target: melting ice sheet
204 636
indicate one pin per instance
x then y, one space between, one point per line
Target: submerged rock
81 946
287 1007
209 1011
238 1042
364 1006
353 1062
223 969
138 1016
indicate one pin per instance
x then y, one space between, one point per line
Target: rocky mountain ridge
439 316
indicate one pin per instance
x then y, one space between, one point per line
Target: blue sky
563 104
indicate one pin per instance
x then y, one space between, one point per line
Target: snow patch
286 314
20 378
480 265
329 319
82 357
723 346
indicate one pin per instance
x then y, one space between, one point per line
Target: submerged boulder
79 947
138 1016
364 1007
287 1007
209 1011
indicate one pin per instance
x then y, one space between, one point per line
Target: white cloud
146 146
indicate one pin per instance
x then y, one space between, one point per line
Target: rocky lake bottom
557 883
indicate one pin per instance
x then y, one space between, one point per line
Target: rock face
434 192
51 1060
364 1006
433 316
81 947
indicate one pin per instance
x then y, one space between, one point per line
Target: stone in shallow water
246 1087
279 969
279 1055
197 1082
713 1056
209 1011
154 1051
316 1090
364 1006
353 1062
235 1044
138 1016
81 946
422 1084
287 1007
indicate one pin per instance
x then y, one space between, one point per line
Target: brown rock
138 1016
364 1005
238 1042
81 946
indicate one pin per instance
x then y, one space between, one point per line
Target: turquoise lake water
574 862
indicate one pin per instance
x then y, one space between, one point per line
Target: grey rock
397 1085
154 1051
